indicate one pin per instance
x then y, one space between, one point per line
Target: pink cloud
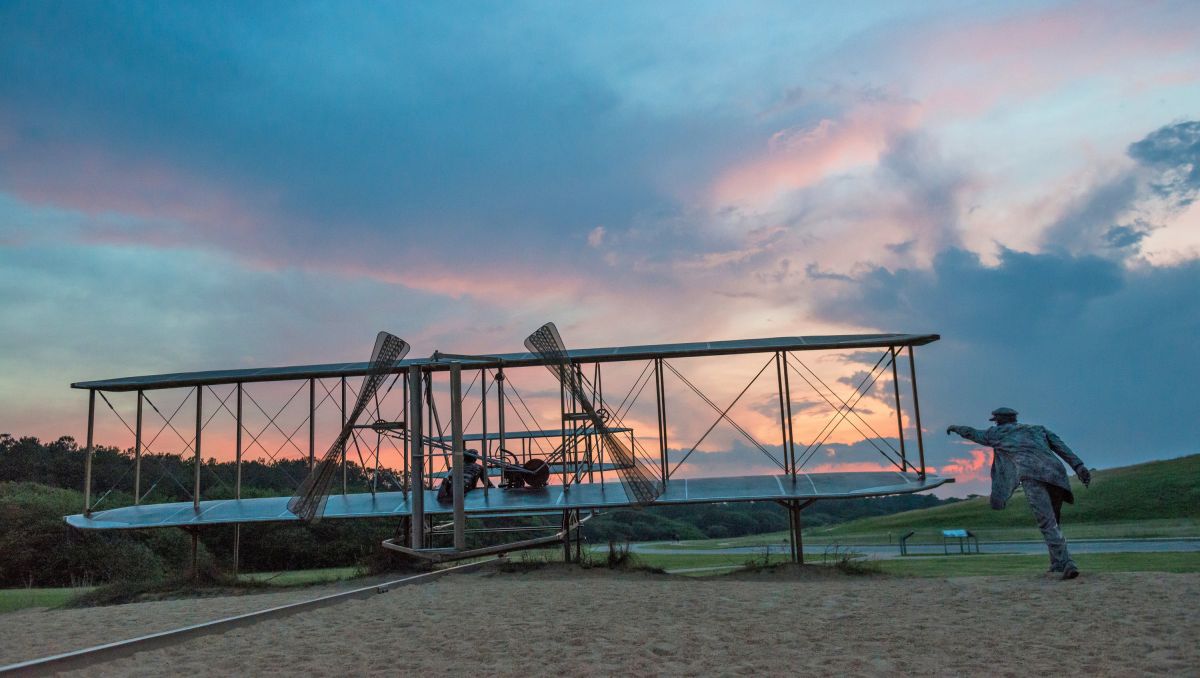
799 157
973 67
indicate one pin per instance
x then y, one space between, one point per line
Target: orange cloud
977 467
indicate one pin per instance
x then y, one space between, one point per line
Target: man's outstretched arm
972 434
1060 448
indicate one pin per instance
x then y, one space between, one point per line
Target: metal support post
345 479
137 452
899 419
375 476
237 481
783 438
791 432
195 553
87 460
798 532
456 474
406 484
418 458
196 464
312 424
500 410
578 538
660 402
483 443
427 450
566 532
562 428
912 366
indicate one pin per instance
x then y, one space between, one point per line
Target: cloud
1173 151
224 186
972 474
596 237
1116 215
1098 351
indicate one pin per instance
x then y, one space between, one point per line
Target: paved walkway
893 551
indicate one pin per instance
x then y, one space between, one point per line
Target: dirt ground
596 622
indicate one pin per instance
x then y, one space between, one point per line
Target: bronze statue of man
1025 455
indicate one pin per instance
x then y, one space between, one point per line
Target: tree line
42 482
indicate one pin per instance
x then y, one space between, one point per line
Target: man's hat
1003 412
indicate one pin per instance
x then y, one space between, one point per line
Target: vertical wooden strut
661 405
484 444
899 419
456 473
912 366
87 459
791 432
417 533
344 473
562 429
783 437
237 482
406 485
196 464
137 452
312 424
500 412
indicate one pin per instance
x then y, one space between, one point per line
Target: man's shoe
1070 572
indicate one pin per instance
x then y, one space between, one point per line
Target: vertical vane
637 476
309 501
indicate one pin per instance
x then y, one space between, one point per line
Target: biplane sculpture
572 479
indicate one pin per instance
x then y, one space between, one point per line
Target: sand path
601 623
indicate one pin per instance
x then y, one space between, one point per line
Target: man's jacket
1023 451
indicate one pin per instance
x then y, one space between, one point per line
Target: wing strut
640 482
309 501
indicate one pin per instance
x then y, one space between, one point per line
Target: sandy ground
600 623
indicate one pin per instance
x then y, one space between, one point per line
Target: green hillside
1158 498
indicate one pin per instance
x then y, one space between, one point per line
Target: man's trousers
1042 499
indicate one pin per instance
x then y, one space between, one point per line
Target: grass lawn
1132 529
1159 498
1136 529
919 566
302 577
12 600
965 566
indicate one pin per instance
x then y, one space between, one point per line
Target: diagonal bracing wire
188 443
536 423
271 419
637 478
839 411
616 417
849 409
723 414
840 415
622 409
860 393
254 437
842 401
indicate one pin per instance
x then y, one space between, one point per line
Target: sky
189 186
